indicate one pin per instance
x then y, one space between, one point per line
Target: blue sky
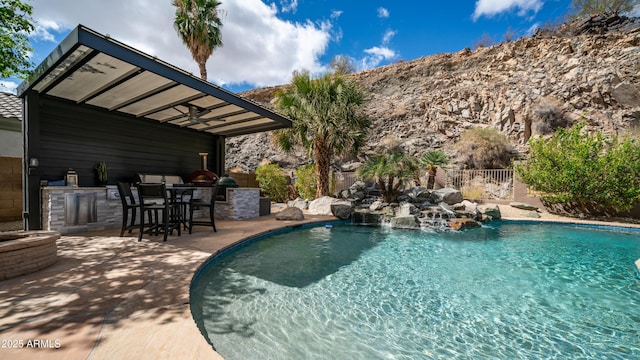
264 42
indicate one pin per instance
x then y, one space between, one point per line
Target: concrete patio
116 298
109 297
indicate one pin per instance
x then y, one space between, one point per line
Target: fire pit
24 252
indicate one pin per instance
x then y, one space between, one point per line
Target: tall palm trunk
322 154
431 182
203 70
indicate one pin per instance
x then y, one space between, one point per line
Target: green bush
484 148
273 182
578 168
307 181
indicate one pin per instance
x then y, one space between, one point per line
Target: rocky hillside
588 69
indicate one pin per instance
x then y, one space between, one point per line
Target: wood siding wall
10 189
79 138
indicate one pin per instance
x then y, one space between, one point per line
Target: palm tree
198 24
431 161
391 170
327 119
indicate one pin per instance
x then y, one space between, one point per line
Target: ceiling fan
195 113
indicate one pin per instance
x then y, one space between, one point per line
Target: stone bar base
107 203
241 204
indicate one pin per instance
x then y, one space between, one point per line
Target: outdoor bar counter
68 209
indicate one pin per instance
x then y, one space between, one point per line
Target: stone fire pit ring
24 252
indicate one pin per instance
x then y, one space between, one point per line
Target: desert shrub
307 181
485 41
548 117
273 182
484 148
474 192
510 34
604 7
581 169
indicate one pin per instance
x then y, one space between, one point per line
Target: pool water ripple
509 291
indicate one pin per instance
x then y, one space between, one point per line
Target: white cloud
388 35
383 13
43 30
259 48
532 29
491 8
336 14
8 86
375 56
287 5
381 52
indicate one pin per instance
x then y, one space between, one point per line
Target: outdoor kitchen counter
240 204
69 209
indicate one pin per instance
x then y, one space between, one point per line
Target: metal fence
482 184
343 180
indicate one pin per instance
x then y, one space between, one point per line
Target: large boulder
446 195
418 194
466 209
463 224
469 206
531 214
342 210
322 205
376 205
355 192
290 213
299 203
491 211
523 206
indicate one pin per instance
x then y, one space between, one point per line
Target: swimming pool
516 291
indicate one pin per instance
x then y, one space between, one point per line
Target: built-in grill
224 183
202 177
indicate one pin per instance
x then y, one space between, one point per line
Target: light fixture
71 178
34 162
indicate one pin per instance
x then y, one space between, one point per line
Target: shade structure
91 69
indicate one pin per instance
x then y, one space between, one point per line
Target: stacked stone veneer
241 204
109 212
26 252
109 208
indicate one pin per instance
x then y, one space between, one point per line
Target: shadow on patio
112 297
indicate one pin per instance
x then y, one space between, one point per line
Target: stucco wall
10 141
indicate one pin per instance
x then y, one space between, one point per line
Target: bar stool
129 205
168 217
200 203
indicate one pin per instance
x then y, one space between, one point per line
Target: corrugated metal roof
10 106
94 70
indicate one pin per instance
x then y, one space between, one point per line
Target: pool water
509 291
